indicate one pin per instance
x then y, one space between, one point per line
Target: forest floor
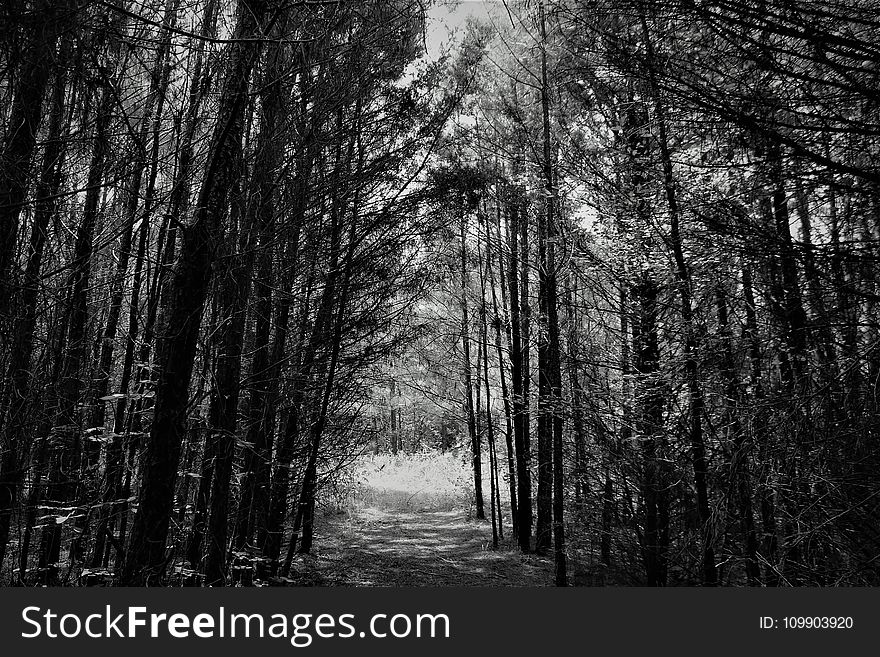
409 525
380 547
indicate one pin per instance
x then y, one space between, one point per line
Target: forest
611 263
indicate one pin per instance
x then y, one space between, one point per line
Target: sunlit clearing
427 481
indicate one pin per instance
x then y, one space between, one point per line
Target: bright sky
448 16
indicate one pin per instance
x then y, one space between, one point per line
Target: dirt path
431 548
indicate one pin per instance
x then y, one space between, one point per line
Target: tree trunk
550 453
25 117
650 426
233 290
305 516
322 327
278 505
65 476
739 461
519 365
759 435
467 375
156 103
18 379
695 391
255 476
499 350
145 558
495 505
525 492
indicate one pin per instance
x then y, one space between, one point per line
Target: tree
145 559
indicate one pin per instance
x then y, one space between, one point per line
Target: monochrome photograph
439 293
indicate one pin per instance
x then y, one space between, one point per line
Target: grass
427 481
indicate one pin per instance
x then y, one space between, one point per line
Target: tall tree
145 559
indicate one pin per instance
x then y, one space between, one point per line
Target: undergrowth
425 481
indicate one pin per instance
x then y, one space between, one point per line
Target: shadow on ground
375 547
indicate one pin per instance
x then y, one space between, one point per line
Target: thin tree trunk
320 330
550 424
64 463
695 391
519 363
305 516
490 429
255 475
278 505
468 382
647 365
577 411
758 437
739 462
233 290
525 475
499 349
